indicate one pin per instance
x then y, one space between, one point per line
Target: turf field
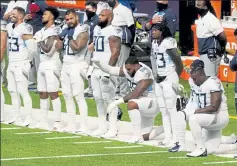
58 149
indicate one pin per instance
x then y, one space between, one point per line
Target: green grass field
35 150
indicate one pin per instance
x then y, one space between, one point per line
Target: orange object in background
225 74
216 4
76 4
231 45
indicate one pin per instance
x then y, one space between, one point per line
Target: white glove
180 89
96 61
112 105
89 72
105 77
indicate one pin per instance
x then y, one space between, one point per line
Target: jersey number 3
13 45
99 43
160 60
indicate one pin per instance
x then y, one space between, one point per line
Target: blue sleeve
171 21
42 5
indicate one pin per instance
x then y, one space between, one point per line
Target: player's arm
46 47
175 57
115 47
215 104
115 71
80 43
3 43
59 44
138 91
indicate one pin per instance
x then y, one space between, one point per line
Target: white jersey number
160 60
99 43
66 47
13 45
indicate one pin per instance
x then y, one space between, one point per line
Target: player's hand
70 33
28 17
105 79
157 19
63 34
114 104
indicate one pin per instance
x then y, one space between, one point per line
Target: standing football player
74 41
167 69
3 48
49 68
207 114
141 101
107 44
21 47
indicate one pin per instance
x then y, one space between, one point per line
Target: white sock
2 105
166 123
135 118
101 111
71 110
179 129
156 132
16 103
44 106
113 119
83 108
57 109
27 102
197 133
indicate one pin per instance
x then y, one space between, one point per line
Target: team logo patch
29 28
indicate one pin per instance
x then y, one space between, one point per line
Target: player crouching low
207 114
142 106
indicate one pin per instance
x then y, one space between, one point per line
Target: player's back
202 93
17 47
144 73
46 60
101 37
70 56
165 65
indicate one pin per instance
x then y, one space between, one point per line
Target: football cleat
198 152
98 133
27 121
135 140
177 148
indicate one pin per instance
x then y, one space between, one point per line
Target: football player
141 101
3 48
21 47
49 68
74 41
207 114
167 69
107 44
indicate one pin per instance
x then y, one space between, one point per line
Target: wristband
150 22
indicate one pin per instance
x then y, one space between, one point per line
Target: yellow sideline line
233 117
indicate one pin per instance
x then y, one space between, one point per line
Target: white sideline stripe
82 155
47 132
123 147
92 142
11 128
179 157
221 162
63 137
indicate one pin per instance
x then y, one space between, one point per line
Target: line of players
151 91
